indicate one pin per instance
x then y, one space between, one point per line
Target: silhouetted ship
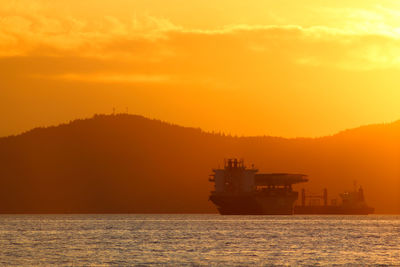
352 202
242 191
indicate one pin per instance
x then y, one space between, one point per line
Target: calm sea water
198 240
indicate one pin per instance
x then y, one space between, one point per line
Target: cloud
152 49
156 39
107 78
24 34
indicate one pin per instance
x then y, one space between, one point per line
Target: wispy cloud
155 39
107 78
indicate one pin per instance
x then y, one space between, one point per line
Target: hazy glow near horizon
252 67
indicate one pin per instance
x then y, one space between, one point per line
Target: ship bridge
235 177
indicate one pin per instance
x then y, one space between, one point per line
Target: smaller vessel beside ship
239 190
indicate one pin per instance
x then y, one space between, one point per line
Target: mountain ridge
137 116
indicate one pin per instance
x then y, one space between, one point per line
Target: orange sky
255 67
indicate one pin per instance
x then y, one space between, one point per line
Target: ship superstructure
243 191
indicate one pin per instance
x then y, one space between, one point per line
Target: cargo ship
239 190
352 203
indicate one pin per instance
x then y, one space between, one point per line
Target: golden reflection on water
198 239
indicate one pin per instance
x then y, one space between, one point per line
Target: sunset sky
254 67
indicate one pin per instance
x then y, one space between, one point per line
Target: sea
198 240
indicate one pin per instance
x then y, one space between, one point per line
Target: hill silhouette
127 163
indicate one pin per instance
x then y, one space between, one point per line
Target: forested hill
127 163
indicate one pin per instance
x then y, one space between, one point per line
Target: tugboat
243 191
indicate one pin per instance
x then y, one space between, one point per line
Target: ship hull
254 204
